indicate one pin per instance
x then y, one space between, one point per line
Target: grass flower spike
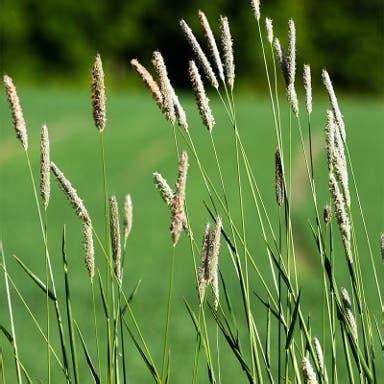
98 95
128 216
45 185
115 235
227 44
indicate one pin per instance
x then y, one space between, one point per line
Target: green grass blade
293 322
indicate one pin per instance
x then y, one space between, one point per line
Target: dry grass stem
71 194
202 58
115 235
307 88
98 94
128 216
202 100
17 113
212 44
45 185
89 249
227 44
149 82
177 209
165 86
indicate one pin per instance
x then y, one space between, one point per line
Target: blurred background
56 40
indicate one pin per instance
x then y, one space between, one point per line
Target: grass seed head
269 29
202 100
382 246
320 358
279 182
327 214
202 58
334 103
307 87
203 270
17 113
177 209
149 82
164 189
181 117
292 98
255 5
115 235
128 216
279 51
211 44
89 249
71 194
45 186
165 86
227 44
308 372
348 313
98 94
291 59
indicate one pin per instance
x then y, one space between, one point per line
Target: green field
139 142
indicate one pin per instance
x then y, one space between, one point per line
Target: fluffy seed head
214 249
165 86
279 183
149 82
327 214
211 43
177 209
269 28
348 313
307 88
202 100
292 99
71 194
255 5
45 185
291 51
308 372
227 44
115 235
282 59
203 271
341 215
128 216
334 104
89 249
17 113
164 189
202 58
320 358
181 117
98 94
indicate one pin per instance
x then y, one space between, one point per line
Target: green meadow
138 141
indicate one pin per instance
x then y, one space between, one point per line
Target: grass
138 142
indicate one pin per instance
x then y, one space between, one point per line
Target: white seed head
334 104
227 45
149 82
98 95
45 185
341 215
291 60
128 216
181 117
115 235
202 58
307 88
71 194
308 372
292 99
320 358
165 86
282 60
164 189
348 313
89 249
177 209
203 271
202 100
17 113
269 28
211 44
255 5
